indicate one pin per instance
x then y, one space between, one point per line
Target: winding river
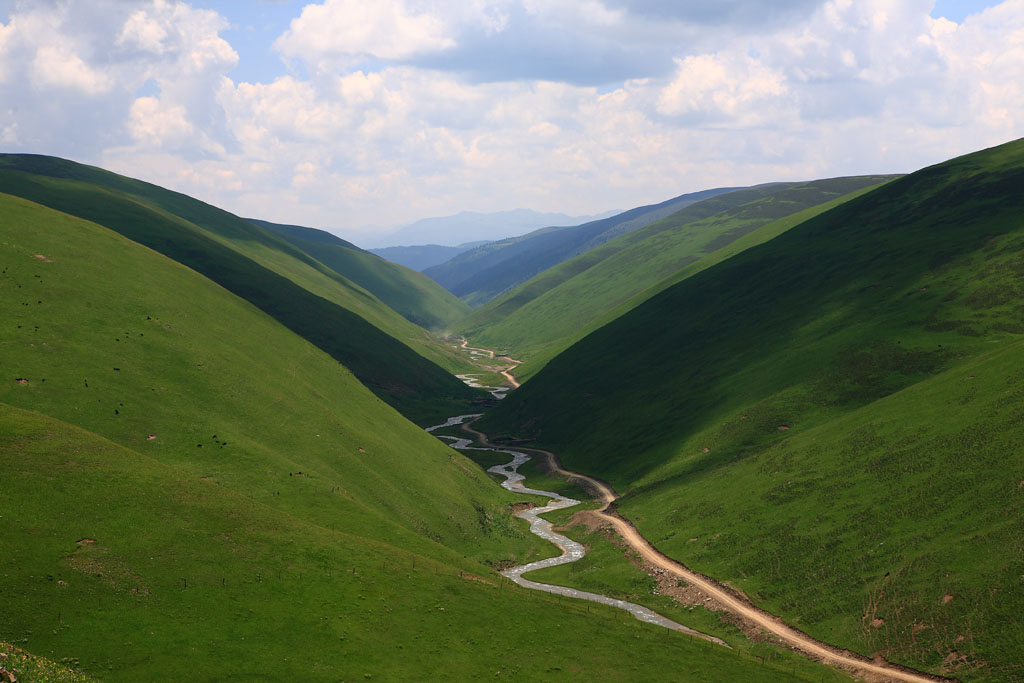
571 550
737 604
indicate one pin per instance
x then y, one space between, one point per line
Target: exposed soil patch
519 507
473 577
592 521
42 258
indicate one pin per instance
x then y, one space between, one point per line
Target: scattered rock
150 437
21 380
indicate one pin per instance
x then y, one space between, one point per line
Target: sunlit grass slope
343 319
414 295
831 420
544 316
192 490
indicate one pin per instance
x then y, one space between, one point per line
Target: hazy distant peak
474 226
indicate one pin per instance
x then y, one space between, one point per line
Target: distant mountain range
423 256
481 274
473 226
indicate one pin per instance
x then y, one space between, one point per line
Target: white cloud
734 88
416 108
156 124
60 68
348 31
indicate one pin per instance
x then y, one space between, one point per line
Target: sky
361 115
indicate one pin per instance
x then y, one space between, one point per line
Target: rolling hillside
383 349
416 297
479 275
830 421
547 314
191 489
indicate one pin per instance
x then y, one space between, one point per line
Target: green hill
192 490
831 420
479 275
546 315
380 347
413 295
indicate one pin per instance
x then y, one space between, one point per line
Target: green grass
610 570
549 313
203 551
896 480
383 349
413 295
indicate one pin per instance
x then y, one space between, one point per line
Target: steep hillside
192 490
340 317
831 420
479 275
413 295
544 316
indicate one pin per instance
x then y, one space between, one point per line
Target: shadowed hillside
189 488
830 420
343 319
544 316
478 275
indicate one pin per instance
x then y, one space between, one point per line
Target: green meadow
191 489
833 415
395 358
544 316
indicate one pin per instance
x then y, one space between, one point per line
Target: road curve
506 373
798 640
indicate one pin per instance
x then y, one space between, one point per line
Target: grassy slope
414 295
540 357
149 559
547 314
898 479
480 274
338 316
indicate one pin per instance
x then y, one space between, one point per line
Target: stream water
571 550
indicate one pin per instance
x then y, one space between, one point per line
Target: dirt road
507 372
875 671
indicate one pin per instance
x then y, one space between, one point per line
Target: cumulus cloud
399 109
344 32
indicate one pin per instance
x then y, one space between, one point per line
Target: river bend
571 550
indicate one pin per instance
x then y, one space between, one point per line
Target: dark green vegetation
414 295
479 275
834 415
192 490
385 351
544 316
